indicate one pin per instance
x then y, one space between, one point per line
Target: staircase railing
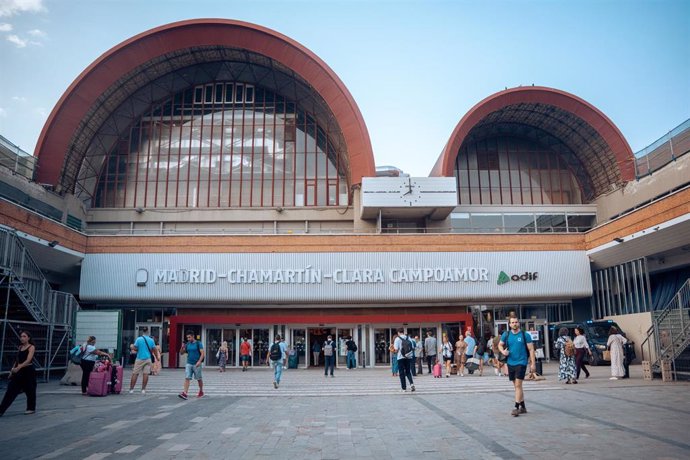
26 278
669 334
52 312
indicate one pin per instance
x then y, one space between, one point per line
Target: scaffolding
31 305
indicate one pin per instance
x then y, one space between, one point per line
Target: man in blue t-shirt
195 358
146 351
517 346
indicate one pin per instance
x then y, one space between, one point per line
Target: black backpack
276 354
406 348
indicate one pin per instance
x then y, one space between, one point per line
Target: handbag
606 355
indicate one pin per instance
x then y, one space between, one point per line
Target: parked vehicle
597 333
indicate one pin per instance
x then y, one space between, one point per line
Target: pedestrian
447 353
460 347
471 349
245 353
329 351
615 345
146 354
22 376
413 360
157 365
481 354
566 362
418 354
195 358
351 353
316 352
518 347
394 357
581 347
500 368
89 356
629 355
276 359
405 358
430 350
222 356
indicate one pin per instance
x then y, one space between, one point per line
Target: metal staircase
32 305
669 336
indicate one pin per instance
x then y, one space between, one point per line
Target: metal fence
665 150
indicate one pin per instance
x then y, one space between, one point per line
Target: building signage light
309 275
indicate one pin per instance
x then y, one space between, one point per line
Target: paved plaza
358 414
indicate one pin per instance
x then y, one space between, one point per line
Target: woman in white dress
615 346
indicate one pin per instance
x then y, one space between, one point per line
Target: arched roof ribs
593 139
126 80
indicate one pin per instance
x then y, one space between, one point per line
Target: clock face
409 191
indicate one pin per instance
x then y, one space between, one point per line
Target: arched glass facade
509 170
224 144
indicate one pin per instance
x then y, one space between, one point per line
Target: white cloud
3 112
37 33
12 7
4 27
19 98
41 112
20 43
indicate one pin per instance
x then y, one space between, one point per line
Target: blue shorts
191 371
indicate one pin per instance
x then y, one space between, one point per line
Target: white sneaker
131 391
613 378
403 391
143 392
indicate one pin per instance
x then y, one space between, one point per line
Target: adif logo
503 277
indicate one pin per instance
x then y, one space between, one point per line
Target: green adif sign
503 277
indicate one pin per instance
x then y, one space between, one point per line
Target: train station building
217 176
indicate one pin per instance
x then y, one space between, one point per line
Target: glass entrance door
298 344
540 335
500 327
343 336
382 341
258 339
214 337
155 331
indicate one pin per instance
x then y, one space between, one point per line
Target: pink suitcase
437 370
118 373
98 383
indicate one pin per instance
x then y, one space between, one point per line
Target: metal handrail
670 349
54 306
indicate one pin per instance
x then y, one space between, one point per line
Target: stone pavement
357 414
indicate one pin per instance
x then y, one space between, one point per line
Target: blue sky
413 67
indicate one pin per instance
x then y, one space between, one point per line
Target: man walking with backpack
276 358
329 350
403 346
517 346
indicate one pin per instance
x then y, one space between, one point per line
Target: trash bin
293 361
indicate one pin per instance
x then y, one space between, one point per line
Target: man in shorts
245 353
195 357
518 347
146 351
